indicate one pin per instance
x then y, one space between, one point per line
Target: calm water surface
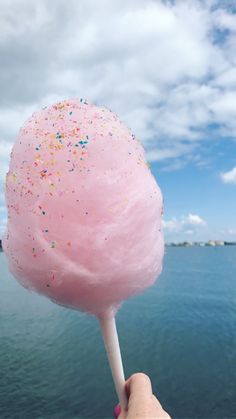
182 332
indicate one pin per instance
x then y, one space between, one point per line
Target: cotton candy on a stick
84 226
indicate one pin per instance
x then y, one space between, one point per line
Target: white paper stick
110 337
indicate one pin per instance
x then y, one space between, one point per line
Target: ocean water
181 332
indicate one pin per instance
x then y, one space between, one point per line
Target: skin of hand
142 403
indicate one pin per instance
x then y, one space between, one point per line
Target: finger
142 402
140 389
136 385
139 385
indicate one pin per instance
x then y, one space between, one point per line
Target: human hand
141 401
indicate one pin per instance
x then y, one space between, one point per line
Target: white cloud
185 224
166 67
229 177
189 232
172 225
157 64
226 79
193 220
19 17
11 119
225 20
159 154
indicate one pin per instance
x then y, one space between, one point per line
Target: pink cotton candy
84 224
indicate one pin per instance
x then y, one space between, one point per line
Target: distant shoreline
209 243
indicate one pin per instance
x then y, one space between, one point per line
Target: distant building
211 243
187 244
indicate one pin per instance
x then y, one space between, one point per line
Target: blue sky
166 67
199 189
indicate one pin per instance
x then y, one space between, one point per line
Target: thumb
139 390
140 398
142 403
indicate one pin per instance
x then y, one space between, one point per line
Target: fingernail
117 411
